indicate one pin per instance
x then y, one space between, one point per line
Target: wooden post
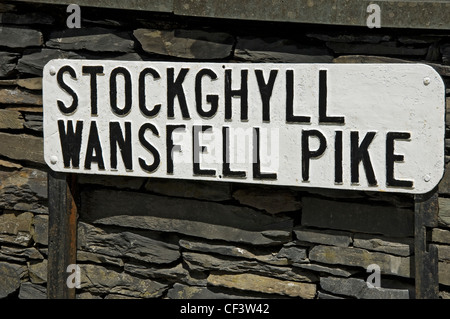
425 255
62 233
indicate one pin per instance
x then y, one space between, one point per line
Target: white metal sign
372 127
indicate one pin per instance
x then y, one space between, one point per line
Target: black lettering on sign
116 138
127 91
307 153
338 158
197 149
93 71
266 89
94 151
323 117
242 93
290 117
70 142
257 160
391 158
149 147
170 146
360 153
211 99
60 79
175 89
142 93
227 172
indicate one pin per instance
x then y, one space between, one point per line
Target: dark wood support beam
62 233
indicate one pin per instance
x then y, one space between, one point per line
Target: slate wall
153 238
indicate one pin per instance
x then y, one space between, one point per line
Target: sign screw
427 178
426 81
53 159
52 70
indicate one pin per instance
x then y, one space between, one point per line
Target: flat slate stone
19 96
29 290
254 253
91 39
33 61
327 237
8 62
22 147
10 278
181 43
126 244
444 211
204 263
20 37
389 264
390 245
180 291
10 119
264 284
98 279
358 288
190 217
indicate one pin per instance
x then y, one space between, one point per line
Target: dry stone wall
153 238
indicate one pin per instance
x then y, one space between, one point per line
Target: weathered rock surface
260 254
271 200
11 119
22 147
20 37
326 237
191 44
38 272
29 290
8 62
440 236
389 264
365 218
444 273
98 279
91 39
191 217
180 291
203 262
177 273
15 228
358 288
126 244
86 256
25 190
40 230
33 61
395 246
190 189
10 278
444 209
19 96
263 284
